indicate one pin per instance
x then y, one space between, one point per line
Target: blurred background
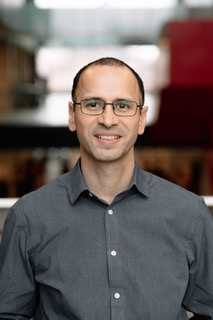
44 43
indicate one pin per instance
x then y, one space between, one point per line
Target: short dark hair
108 62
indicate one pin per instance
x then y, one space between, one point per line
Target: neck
107 179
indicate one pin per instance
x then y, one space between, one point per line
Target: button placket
113 260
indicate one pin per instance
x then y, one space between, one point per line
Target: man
107 240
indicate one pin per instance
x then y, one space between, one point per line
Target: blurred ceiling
129 28
94 22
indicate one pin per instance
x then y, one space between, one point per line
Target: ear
142 122
72 125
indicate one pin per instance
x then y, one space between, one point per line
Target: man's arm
18 296
199 295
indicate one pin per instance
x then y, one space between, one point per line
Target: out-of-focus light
198 3
66 4
117 4
148 53
144 4
12 3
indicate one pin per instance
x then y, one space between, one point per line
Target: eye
122 105
93 104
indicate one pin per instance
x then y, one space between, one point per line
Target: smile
108 137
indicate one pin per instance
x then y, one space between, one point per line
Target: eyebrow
99 98
94 98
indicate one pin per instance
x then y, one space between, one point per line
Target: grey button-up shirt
65 254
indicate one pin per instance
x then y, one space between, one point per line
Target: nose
108 118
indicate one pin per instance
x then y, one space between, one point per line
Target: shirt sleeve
199 294
18 294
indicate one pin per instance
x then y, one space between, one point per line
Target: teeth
108 137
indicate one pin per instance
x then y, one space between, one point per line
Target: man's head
106 111
113 62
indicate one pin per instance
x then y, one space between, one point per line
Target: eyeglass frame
108 103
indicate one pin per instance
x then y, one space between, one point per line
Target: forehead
108 79
107 71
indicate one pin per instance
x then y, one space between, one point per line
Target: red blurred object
191 48
186 107
185 117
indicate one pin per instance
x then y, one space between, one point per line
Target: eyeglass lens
120 107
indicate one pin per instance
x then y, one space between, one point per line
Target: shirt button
117 295
110 212
113 253
90 194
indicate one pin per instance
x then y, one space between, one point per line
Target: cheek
136 130
80 129
83 129
133 127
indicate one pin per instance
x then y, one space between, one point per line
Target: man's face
107 137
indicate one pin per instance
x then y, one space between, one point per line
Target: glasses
121 108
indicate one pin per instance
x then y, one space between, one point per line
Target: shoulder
51 189
157 183
182 211
51 195
170 195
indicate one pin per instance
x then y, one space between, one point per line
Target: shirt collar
77 185
140 181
